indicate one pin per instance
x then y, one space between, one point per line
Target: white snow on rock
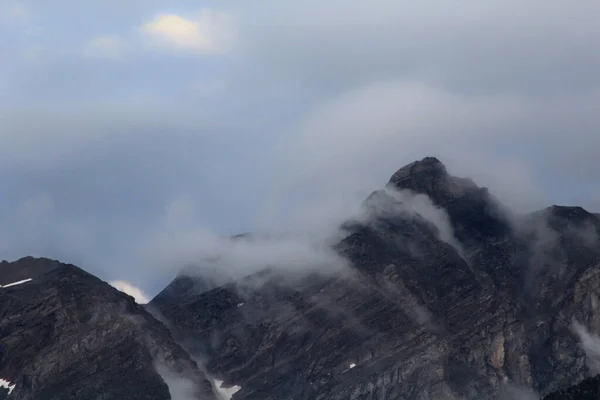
14 284
225 393
7 385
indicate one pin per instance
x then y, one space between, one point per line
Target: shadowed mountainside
66 334
453 307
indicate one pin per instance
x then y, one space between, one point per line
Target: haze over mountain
434 290
122 141
139 138
447 294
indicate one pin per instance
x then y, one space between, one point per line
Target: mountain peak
26 268
429 176
428 166
561 216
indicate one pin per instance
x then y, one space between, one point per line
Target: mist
180 388
222 392
138 153
389 202
590 344
262 132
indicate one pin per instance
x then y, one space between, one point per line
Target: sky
132 132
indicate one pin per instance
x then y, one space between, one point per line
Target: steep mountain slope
589 389
65 334
448 296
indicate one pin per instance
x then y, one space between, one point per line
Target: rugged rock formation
65 334
589 389
448 296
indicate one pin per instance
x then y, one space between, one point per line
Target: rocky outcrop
589 389
448 296
65 334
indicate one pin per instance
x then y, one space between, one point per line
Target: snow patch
14 284
225 393
352 365
7 385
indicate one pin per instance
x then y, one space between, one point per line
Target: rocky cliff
65 334
448 296
589 389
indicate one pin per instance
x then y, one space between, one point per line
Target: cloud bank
590 343
278 117
210 31
131 290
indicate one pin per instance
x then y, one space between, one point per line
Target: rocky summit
445 294
65 334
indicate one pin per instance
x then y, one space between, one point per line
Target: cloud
135 292
406 202
318 110
362 136
499 45
107 46
590 343
209 32
180 387
178 243
296 250
45 137
223 392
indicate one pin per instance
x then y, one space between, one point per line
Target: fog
272 117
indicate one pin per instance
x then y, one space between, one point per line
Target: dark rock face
417 316
68 335
589 389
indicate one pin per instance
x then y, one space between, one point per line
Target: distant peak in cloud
126 287
430 176
428 165
209 32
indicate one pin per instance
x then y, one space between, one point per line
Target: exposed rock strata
68 335
420 317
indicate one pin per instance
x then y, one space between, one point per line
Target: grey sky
276 115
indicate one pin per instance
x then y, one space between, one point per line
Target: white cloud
358 138
106 46
590 343
421 204
224 393
497 91
208 32
178 242
135 292
180 387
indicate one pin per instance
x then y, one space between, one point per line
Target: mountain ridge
444 296
455 295
65 326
